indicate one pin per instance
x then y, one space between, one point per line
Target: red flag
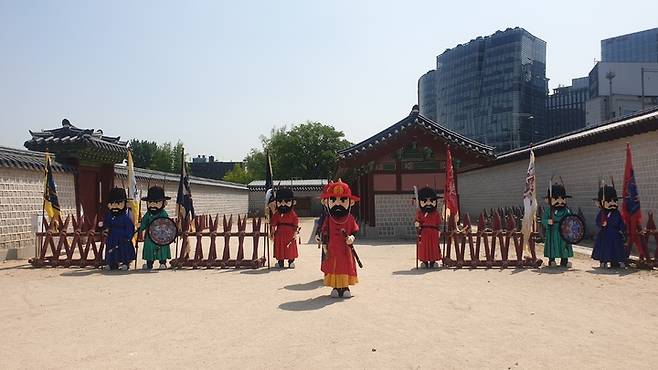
630 206
450 191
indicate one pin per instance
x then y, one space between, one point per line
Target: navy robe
118 246
609 243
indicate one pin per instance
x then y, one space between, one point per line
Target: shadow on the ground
89 272
545 270
310 304
306 286
613 271
417 271
26 266
260 271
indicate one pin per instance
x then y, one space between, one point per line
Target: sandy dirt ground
399 317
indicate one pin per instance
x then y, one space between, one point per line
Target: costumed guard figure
609 242
119 249
285 226
339 265
156 201
427 221
554 245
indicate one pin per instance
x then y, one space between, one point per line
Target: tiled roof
417 120
69 134
145 174
18 158
637 123
295 185
25 159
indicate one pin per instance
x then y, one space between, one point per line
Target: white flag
529 199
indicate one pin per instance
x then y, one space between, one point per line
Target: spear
417 229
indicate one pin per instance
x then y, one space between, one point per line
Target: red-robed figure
428 221
285 224
339 266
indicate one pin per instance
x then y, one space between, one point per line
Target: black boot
280 263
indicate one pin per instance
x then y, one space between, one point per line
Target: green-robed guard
156 201
554 245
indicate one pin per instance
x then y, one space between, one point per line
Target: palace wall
580 168
21 201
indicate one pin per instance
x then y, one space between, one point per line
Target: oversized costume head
155 199
607 197
339 198
285 200
557 196
116 201
428 199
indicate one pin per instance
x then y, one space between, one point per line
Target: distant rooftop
295 185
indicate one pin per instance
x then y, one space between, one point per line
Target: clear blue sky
217 74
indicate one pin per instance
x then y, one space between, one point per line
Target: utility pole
610 75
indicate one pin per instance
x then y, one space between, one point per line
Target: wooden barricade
57 246
75 242
498 235
205 228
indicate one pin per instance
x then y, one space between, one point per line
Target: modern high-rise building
620 89
634 47
492 89
566 108
427 95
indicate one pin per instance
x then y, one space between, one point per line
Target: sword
294 237
356 256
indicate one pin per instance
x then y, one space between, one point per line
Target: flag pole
43 207
178 206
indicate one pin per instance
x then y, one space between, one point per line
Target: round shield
572 229
162 231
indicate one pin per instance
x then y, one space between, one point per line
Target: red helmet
338 189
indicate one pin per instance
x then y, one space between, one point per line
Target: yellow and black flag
50 200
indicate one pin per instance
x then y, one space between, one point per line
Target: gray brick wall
394 217
257 200
21 197
207 199
580 169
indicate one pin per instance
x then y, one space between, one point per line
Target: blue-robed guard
119 250
609 244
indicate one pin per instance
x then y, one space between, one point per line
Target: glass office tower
427 95
635 47
493 89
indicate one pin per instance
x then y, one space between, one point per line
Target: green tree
176 153
163 157
238 174
143 151
306 151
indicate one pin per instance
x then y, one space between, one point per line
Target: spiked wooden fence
206 227
487 237
73 242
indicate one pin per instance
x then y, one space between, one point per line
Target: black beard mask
117 211
283 209
338 211
428 208
154 210
559 205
